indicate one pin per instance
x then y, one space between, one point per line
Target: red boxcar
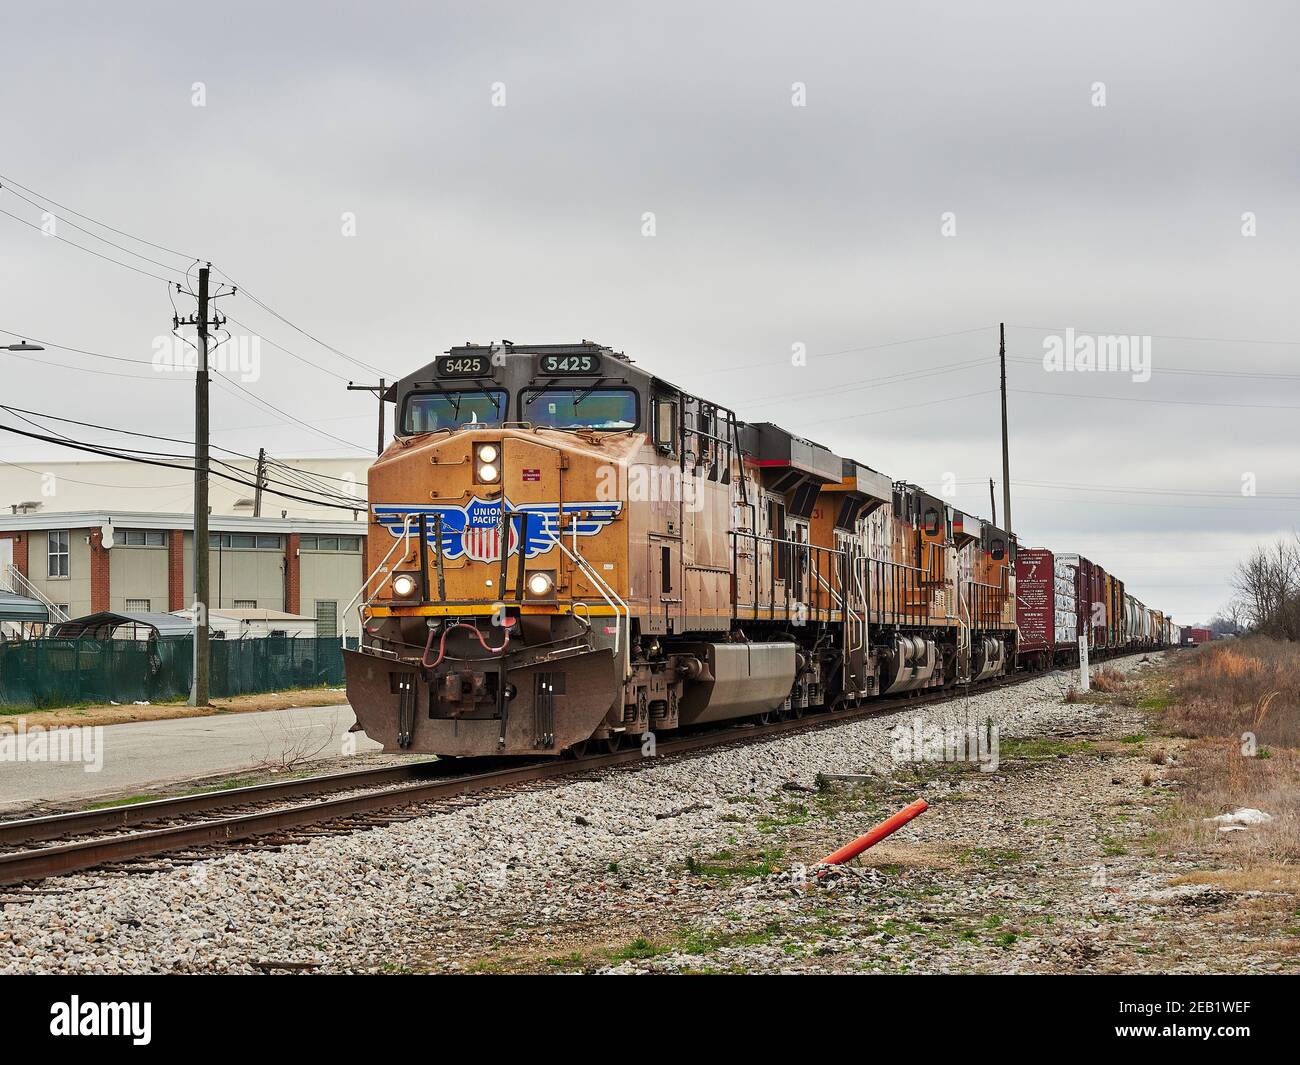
1092 602
1036 603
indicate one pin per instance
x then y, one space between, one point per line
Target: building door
6 560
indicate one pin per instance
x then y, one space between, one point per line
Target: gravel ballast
543 867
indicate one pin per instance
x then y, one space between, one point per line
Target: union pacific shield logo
481 540
474 531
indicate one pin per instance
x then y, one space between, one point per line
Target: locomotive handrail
361 625
855 572
815 552
609 595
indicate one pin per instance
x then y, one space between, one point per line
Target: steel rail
83 822
19 866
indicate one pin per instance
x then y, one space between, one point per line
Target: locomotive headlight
487 469
541 584
404 586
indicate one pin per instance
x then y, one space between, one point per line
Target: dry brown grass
1217 779
1108 680
1260 878
1230 688
1222 695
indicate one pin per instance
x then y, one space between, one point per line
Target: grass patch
989 856
640 949
568 961
1041 749
130 800
706 942
725 865
789 814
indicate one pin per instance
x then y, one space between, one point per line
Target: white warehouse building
85 537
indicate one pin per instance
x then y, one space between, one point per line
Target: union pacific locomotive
566 550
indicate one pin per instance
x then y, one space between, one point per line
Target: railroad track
362 799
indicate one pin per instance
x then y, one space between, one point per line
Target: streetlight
24 346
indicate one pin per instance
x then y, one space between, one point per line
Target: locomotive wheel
611 744
767 718
578 750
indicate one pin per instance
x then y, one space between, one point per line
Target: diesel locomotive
566 550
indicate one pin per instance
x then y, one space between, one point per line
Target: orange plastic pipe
885 828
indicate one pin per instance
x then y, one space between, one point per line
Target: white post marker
1085 682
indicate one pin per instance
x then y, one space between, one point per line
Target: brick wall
176 570
20 540
99 572
292 575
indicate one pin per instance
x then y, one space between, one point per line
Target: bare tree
1268 589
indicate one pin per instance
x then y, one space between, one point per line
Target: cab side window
665 427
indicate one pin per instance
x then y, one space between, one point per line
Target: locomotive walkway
141 756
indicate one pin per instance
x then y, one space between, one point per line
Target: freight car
567 549
1059 596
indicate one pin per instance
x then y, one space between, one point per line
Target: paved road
139 756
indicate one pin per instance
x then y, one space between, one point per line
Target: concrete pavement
139 757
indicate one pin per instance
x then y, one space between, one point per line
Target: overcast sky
775 225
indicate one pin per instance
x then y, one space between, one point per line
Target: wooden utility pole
199 693
1006 460
200 690
260 480
379 391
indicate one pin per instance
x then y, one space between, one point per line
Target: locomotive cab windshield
593 407
427 412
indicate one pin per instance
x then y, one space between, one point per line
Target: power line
90 233
221 378
1162 369
89 251
79 351
122 452
265 404
104 225
276 314
84 369
184 273
88 484
850 351
1156 336
302 359
907 406
1158 506
109 453
889 379
1173 402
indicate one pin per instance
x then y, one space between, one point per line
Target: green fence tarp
45 673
